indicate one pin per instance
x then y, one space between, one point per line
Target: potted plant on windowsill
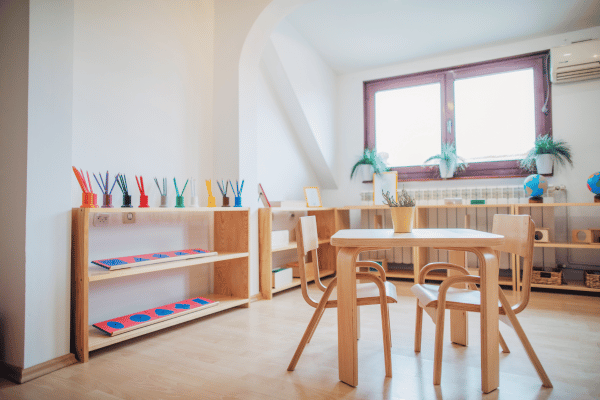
449 162
370 163
544 153
403 211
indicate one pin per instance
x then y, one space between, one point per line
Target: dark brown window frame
492 169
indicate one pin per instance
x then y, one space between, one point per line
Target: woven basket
541 276
592 279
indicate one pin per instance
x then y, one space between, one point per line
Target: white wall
574 113
283 168
142 105
142 93
14 60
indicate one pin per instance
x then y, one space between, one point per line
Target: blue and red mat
129 322
152 258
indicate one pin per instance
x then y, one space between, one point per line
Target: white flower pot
447 171
544 163
365 172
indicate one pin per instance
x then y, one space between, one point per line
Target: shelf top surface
288 209
121 210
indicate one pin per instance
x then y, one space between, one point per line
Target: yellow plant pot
402 218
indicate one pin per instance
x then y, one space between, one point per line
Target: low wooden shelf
231 233
326 226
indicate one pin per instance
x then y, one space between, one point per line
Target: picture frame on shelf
312 196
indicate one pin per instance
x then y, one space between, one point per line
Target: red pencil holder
144 201
89 200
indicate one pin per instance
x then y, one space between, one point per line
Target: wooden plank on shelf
568 245
572 285
119 210
79 283
97 273
265 226
296 281
98 340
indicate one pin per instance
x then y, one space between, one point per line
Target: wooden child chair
377 291
519 231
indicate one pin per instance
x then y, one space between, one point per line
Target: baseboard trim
22 375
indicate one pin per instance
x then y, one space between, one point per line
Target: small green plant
370 157
449 158
545 144
404 200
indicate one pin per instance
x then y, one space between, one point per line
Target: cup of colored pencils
238 193
179 202
88 197
163 192
194 196
143 195
122 182
106 194
224 192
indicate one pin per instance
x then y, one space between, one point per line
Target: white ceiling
353 35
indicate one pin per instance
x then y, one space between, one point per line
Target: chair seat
370 290
456 298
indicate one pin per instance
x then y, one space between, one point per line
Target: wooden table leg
346 309
489 319
459 329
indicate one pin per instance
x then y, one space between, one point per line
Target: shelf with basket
230 235
285 219
558 236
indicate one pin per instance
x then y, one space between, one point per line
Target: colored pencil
90 181
184 186
100 186
158 186
138 183
165 186
81 184
176 189
113 186
103 187
106 187
142 182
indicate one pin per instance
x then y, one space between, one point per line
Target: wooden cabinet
560 219
326 227
230 232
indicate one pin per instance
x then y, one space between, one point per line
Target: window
492 111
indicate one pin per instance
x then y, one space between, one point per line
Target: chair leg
439 344
525 341
418 328
387 336
312 325
503 343
315 326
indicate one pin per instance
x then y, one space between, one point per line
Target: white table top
418 237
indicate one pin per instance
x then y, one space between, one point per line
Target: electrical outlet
129 218
100 220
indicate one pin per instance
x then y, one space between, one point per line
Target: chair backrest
519 233
307 240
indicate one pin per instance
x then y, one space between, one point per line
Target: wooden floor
244 353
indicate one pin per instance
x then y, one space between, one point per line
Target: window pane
495 116
408 123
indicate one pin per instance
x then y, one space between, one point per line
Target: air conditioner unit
575 62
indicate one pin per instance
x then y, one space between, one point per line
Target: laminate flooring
244 353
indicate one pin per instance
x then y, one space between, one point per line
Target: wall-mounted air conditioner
575 62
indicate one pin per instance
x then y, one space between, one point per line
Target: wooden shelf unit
231 232
326 227
545 211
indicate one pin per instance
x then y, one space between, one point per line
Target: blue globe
535 185
593 183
